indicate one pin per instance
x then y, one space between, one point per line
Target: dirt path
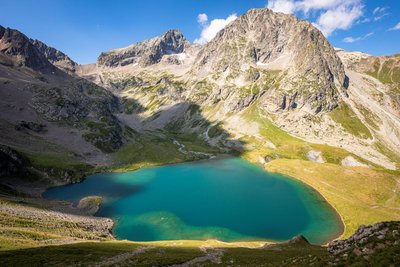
213 255
123 257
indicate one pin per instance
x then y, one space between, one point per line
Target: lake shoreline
340 217
340 220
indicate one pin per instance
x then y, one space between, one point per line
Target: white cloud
380 17
284 6
341 18
332 14
211 29
202 18
396 27
379 10
379 13
356 39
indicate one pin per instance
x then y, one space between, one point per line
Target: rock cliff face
147 52
57 58
307 69
47 93
17 50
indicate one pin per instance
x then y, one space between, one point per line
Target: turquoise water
225 199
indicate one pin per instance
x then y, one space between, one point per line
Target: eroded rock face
56 57
310 73
85 106
147 52
17 50
55 94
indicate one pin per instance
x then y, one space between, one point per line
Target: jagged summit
147 52
17 50
262 40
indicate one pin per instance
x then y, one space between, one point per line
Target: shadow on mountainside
176 134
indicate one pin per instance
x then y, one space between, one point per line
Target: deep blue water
225 199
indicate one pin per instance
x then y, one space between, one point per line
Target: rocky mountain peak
147 52
17 50
262 42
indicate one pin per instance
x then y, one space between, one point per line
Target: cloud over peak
210 29
332 14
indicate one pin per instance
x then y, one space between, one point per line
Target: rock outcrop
298 240
315 156
366 242
56 57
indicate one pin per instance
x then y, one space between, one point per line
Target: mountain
147 52
261 41
47 111
17 50
282 66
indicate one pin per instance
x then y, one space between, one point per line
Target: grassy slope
92 253
24 225
360 195
152 149
350 122
148 150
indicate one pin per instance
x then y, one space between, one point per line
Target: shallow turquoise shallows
226 199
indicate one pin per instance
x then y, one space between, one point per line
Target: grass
91 253
57 166
193 142
277 255
24 225
65 255
55 160
148 150
350 122
360 195
392 155
373 120
387 72
153 149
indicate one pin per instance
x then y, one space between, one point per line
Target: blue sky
83 29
